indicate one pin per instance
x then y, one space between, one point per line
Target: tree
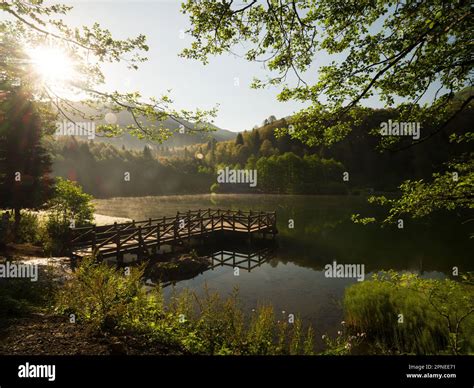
28 25
399 50
243 153
25 164
70 205
267 148
239 140
255 141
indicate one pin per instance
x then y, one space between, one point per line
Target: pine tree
239 140
255 141
24 163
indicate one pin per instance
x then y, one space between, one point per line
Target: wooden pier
142 236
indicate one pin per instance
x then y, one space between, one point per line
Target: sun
50 64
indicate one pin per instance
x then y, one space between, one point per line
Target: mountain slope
124 119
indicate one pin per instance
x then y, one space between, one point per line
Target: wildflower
324 336
343 323
339 332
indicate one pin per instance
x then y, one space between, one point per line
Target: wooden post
233 222
94 239
158 233
149 221
140 243
175 228
189 225
119 246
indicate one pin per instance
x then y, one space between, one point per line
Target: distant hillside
177 140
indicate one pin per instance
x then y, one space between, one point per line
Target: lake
291 273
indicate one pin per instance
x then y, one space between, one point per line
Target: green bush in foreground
402 313
110 300
69 207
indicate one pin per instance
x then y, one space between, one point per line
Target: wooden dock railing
116 239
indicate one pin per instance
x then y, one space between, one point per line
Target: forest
284 165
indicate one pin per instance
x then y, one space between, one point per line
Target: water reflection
243 260
290 276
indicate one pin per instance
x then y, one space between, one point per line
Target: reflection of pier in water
236 259
247 261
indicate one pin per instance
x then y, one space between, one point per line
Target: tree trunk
16 225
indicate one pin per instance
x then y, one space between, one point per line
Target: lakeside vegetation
107 301
333 146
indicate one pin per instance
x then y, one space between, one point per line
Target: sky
224 81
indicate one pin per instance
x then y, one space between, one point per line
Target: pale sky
193 85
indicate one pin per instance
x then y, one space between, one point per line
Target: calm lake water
291 273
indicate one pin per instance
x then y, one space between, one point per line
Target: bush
69 207
99 295
108 300
30 229
437 315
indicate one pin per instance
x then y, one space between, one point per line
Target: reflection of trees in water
323 231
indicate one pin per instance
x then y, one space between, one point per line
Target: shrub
108 300
99 295
437 315
70 206
30 229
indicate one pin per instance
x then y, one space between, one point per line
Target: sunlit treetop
55 63
398 50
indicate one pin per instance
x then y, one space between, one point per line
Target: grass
404 314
